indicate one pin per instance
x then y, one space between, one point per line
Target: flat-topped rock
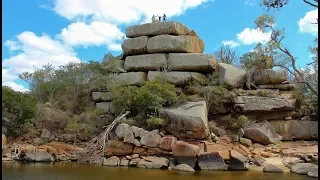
153 29
101 96
146 62
136 45
175 44
107 107
191 62
270 76
259 103
263 133
281 87
131 78
177 78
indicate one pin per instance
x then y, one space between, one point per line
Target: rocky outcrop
282 87
130 78
146 62
274 164
258 103
34 154
167 142
153 162
4 140
231 76
153 29
196 62
270 76
175 44
296 130
177 78
187 121
262 132
137 45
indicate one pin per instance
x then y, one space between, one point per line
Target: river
74 171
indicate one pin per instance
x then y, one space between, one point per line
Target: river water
74 171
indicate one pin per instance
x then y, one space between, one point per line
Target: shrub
241 122
155 123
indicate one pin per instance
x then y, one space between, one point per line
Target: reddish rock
185 149
185 153
118 148
226 138
4 140
245 149
236 148
138 150
154 151
223 150
167 142
151 139
211 161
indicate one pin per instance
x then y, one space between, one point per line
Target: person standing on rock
164 18
159 18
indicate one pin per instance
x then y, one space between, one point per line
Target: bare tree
225 55
278 4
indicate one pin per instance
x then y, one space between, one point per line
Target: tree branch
311 4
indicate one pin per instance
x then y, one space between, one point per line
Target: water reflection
74 171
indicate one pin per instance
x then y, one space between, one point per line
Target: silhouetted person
153 18
164 17
159 18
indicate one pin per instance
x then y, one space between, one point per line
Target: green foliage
144 101
241 122
19 108
155 122
73 126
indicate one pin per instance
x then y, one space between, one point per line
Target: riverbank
75 171
300 157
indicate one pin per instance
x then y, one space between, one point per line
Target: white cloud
15 86
305 23
122 11
115 47
252 36
230 43
33 51
95 33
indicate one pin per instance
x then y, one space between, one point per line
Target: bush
20 108
241 122
155 123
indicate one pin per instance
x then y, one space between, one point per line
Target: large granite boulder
178 44
270 76
151 139
112 161
281 87
107 107
185 153
197 62
259 103
188 120
177 78
237 161
167 142
303 168
231 76
263 133
34 154
121 129
118 148
153 29
146 62
184 167
130 78
101 96
153 162
296 130
137 45
274 164
211 161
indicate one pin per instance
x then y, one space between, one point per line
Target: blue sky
37 32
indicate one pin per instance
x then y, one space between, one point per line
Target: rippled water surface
74 171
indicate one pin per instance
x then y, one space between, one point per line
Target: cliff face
176 50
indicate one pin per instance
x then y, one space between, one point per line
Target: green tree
19 108
278 4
